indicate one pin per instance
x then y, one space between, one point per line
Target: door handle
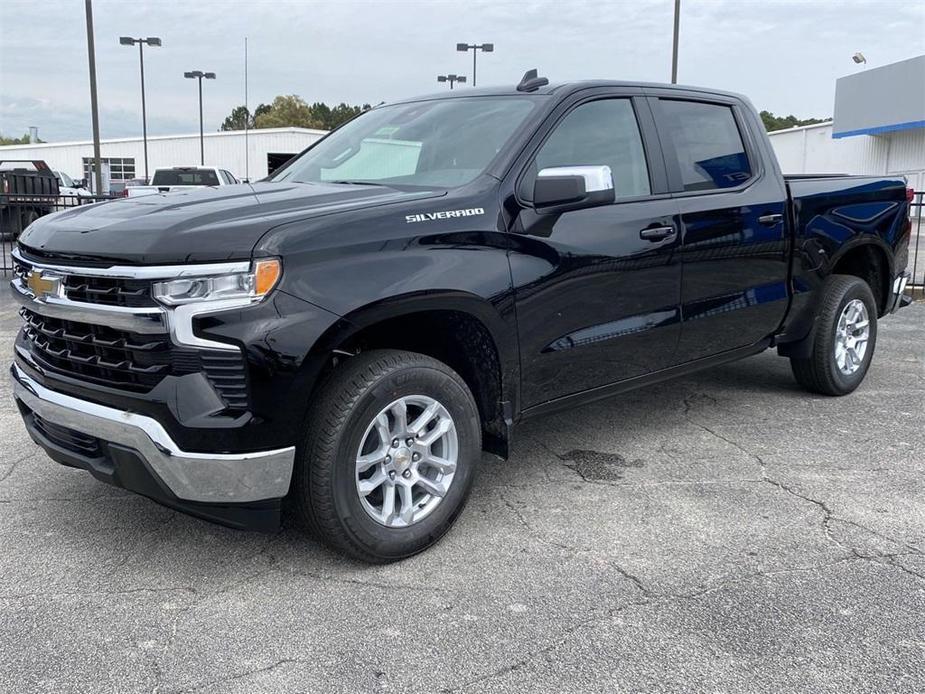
657 233
770 220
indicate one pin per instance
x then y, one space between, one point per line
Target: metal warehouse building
267 149
878 127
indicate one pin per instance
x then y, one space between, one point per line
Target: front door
597 290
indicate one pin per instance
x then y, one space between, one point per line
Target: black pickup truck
351 333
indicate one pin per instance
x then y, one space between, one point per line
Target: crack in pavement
159 671
574 551
154 530
15 464
829 517
239 675
652 599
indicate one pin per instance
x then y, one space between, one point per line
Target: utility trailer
28 190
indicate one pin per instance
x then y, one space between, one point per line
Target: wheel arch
460 329
869 259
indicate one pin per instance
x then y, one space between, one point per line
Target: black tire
324 493
820 373
26 218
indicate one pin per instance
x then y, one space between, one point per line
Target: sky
785 55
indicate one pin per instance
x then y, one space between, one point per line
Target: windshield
185 177
443 143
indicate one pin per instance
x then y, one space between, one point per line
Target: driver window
598 133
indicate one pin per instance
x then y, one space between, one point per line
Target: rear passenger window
599 133
710 150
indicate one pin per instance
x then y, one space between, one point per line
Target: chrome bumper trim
136 320
139 272
203 477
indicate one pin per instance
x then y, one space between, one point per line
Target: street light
200 75
475 47
674 41
859 58
154 42
452 79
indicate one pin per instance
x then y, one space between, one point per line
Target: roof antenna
530 82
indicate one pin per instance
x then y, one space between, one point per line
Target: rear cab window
185 177
711 153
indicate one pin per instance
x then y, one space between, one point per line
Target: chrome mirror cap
596 178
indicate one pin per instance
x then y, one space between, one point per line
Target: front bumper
134 451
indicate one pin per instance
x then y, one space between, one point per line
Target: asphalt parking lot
726 532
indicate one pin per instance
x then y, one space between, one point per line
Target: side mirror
572 187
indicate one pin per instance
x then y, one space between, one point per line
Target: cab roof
559 89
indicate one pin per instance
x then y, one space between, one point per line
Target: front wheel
844 339
389 456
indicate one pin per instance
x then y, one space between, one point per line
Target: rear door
734 246
596 299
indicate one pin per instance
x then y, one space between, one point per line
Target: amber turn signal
266 274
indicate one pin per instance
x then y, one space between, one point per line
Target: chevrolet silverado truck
345 338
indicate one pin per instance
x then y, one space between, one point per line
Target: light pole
94 111
674 42
475 48
452 79
199 75
151 41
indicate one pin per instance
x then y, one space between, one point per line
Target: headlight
254 285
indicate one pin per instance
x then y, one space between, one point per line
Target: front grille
129 361
110 291
116 358
98 353
68 439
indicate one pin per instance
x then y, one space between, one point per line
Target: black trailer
28 190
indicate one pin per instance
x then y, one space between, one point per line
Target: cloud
784 54
58 123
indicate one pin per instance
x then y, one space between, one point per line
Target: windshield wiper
358 183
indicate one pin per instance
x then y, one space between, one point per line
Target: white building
878 128
267 149
812 149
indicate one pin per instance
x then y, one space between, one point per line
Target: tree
239 119
24 140
288 111
240 116
292 111
772 122
342 113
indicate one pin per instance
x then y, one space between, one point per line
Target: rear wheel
845 335
389 456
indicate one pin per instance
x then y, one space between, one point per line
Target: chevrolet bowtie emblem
42 286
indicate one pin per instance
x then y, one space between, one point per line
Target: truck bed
834 215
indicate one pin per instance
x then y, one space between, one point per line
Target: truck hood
211 224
